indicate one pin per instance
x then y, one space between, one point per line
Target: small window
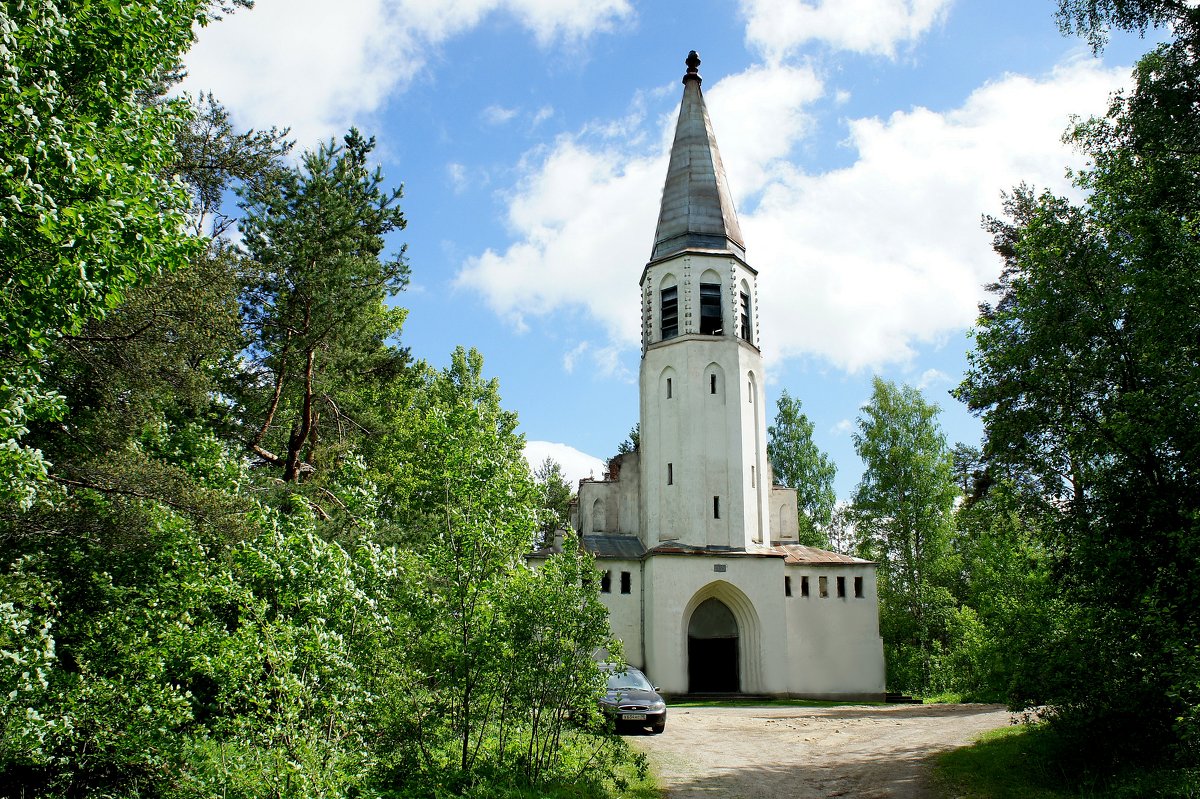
710 309
669 319
668 388
841 587
744 316
804 586
752 477
787 586
606 582
823 586
716 507
858 588
670 474
626 582
749 392
712 384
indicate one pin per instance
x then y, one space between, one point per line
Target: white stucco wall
752 587
625 610
834 648
704 472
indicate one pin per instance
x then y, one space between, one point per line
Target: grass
1021 762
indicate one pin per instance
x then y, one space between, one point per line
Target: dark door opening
713 650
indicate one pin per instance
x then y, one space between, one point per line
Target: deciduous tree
798 463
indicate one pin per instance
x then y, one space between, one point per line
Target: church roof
697 210
625 547
811 556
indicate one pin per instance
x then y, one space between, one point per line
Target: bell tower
705 482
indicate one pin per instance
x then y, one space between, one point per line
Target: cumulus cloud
293 63
584 214
778 28
858 266
575 465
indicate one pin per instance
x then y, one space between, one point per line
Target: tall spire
697 210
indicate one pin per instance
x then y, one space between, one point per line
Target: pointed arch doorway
713 636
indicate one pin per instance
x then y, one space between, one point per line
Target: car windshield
629 681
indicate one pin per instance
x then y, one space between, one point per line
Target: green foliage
556 498
798 463
1085 364
85 209
633 442
1026 761
903 520
314 303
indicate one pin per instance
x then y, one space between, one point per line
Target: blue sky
863 141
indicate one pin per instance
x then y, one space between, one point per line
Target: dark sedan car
632 702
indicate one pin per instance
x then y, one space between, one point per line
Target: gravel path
800 752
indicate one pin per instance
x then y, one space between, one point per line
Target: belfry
702 575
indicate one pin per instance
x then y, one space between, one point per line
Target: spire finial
693 67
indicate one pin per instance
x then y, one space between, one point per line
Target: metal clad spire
697 209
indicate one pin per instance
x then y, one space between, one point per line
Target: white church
705 583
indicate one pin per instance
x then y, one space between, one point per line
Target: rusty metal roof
811 556
697 209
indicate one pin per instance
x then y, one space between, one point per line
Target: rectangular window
841 587
787 586
670 474
668 388
710 309
858 588
752 477
669 320
712 384
606 582
626 582
716 507
823 586
744 317
804 586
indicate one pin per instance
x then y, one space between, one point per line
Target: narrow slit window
804 586
670 474
606 582
668 388
716 507
823 586
858 588
669 317
841 587
626 583
744 317
787 586
712 384
710 309
752 477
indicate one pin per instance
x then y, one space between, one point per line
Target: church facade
702 574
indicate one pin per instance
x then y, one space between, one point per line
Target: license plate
633 716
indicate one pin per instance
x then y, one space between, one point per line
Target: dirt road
799 752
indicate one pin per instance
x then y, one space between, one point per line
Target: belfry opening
713 666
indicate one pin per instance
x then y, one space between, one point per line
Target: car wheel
657 729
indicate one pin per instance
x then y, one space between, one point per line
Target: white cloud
575 465
498 115
857 266
584 215
293 63
843 427
778 28
933 377
573 355
860 264
458 176
542 114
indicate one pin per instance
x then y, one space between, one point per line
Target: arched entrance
713 649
